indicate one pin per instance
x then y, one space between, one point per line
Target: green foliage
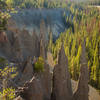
9 3
7 94
39 65
6 74
2 60
82 23
8 70
5 10
36 3
94 2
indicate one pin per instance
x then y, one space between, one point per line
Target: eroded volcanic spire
62 89
83 89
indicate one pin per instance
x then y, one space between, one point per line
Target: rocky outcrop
32 90
50 59
29 44
43 31
19 98
5 47
62 89
45 76
45 79
40 86
42 49
16 48
31 18
83 89
27 71
35 46
43 40
3 37
16 45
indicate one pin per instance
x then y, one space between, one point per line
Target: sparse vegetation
6 74
7 94
83 23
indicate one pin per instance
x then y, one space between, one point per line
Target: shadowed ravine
24 28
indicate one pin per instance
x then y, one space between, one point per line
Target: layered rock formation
83 89
62 89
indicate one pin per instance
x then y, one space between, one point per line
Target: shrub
7 94
2 60
39 65
6 74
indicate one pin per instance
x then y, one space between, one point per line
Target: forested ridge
82 24
83 27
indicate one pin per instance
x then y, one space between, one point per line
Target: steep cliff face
31 18
24 32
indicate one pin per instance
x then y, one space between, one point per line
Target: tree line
35 3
